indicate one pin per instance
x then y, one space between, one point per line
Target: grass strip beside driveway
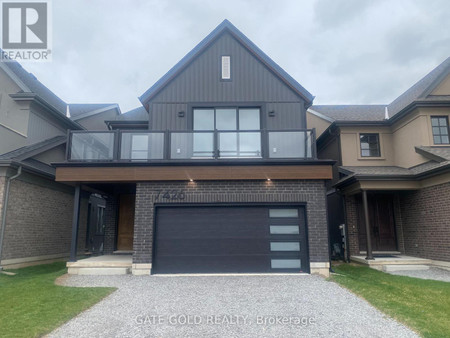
32 305
423 305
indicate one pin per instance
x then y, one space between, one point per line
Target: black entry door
382 222
95 233
230 239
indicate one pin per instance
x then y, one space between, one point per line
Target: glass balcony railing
92 146
143 146
290 144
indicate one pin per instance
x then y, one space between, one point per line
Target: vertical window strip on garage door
286 238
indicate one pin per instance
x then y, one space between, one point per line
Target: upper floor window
226 68
370 145
227 119
439 125
238 132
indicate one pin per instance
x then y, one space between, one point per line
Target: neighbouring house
93 116
35 211
217 172
391 180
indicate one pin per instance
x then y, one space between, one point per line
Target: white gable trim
323 117
14 77
95 112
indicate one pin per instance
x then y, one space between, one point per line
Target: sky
342 51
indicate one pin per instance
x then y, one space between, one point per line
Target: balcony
162 146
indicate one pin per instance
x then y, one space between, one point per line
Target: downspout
5 208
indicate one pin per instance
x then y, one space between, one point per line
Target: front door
126 223
96 225
382 223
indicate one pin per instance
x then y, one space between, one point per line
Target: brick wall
311 192
39 221
426 222
352 224
2 189
111 218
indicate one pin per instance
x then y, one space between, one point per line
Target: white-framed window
226 67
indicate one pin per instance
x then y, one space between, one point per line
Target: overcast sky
342 51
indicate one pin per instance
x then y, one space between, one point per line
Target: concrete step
404 267
103 271
123 252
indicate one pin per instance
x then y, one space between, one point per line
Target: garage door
230 239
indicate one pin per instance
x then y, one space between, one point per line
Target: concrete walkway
431 273
227 306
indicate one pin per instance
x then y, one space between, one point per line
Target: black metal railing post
314 144
167 144
116 145
68 144
216 151
265 150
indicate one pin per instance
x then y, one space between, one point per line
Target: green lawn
32 305
423 305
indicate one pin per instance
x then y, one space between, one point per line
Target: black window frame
440 135
237 108
378 148
228 107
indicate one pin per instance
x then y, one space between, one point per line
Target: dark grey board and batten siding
251 82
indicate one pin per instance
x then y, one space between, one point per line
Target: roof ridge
420 88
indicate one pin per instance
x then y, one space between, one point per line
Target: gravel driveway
227 306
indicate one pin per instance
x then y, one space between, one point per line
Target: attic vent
226 68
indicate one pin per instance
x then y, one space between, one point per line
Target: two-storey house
221 177
36 211
391 180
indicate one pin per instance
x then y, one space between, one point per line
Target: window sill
372 158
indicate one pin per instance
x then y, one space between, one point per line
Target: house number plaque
172 195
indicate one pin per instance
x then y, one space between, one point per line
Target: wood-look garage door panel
199 239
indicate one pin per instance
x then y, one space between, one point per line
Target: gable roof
23 156
225 26
419 92
82 110
29 83
136 114
33 149
421 89
136 118
351 112
438 154
32 89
